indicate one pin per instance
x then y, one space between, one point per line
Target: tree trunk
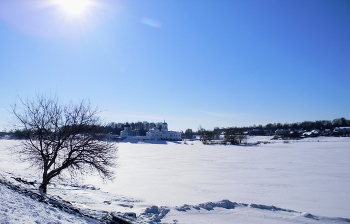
44 183
43 187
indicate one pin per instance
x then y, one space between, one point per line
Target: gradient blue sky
191 62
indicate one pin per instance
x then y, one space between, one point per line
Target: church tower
164 127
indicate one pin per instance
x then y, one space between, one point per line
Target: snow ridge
27 189
210 205
54 202
153 214
271 208
227 204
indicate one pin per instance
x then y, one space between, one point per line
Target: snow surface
17 208
306 181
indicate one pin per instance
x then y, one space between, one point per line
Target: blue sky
210 63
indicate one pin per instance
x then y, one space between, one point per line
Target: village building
156 133
163 133
342 131
127 132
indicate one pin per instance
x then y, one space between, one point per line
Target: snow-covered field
306 181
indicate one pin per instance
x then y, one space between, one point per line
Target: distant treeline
305 125
237 135
142 127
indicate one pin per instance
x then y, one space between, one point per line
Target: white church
163 133
153 134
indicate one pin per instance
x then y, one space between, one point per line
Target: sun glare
75 7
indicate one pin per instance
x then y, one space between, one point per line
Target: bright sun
76 7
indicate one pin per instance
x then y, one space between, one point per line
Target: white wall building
127 132
153 134
163 133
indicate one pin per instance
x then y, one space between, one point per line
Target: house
342 131
327 132
312 133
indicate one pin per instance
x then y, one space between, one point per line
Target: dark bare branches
61 138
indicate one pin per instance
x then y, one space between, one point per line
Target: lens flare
151 22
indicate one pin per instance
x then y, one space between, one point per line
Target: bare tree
230 136
62 138
241 138
235 136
